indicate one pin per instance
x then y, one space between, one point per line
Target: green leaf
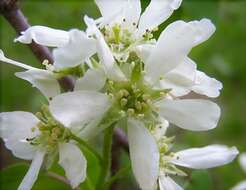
200 180
11 177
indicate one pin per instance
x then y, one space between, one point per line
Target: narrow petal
110 10
166 183
144 154
76 51
205 29
242 161
180 79
172 47
15 127
93 79
144 51
105 55
205 157
160 130
156 13
240 186
191 114
43 80
74 163
44 36
206 85
12 62
32 174
79 108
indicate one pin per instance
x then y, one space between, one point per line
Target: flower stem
88 147
107 146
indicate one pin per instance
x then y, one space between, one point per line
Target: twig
121 138
61 179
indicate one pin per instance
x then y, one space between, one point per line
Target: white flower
73 47
32 137
152 160
127 13
242 161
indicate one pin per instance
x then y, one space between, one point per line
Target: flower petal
240 186
144 51
78 108
166 183
12 62
206 85
180 79
191 114
172 47
44 80
93 79
242 161
32 174
156 13
15 127
160 130
105 55
205 157
110 10
74 163
144 154
44 36
205 28
76 51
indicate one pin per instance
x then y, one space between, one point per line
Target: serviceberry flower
40 136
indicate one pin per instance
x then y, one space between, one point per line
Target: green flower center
50 131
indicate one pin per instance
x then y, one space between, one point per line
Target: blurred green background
223 56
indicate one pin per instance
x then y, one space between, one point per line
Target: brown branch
11 12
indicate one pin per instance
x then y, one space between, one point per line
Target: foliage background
223 56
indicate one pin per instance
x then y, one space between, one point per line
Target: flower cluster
123 75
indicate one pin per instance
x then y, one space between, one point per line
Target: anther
138 105
123 102
124 20
130 111
134 24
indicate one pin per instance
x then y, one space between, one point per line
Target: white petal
93 79
166 183
206 85
242 161
180 79
156 13
172 47
44 36
240 186
76 51
110 10
191 114
44 80
205 28
78 108
144 51
131 14
205 157
74 163
144 154
160 129
15 127
12 62
32 174
105 55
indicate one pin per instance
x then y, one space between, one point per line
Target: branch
121 138
11 12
